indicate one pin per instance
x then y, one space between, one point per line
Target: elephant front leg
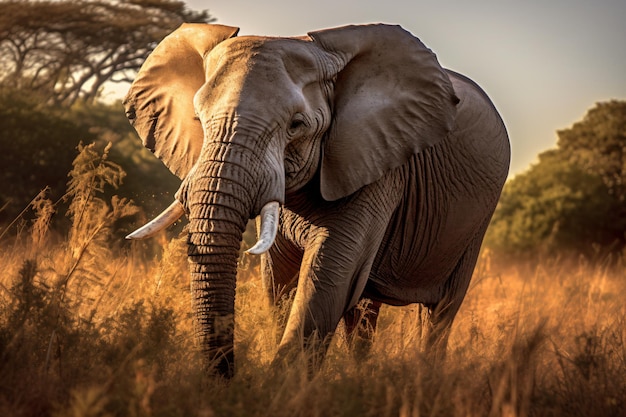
280 267
333 274
317 307
340 241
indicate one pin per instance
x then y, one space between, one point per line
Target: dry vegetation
90 327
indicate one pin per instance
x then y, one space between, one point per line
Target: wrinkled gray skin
387 168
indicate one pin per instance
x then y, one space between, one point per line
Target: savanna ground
93 326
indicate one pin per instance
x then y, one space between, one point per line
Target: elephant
372 172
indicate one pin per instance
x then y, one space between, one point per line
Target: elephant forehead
273 59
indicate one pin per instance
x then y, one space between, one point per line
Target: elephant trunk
222 194
219 207
213 268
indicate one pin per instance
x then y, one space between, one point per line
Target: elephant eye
297 124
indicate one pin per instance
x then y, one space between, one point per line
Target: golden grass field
93 326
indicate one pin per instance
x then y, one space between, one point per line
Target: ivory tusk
268 229
162 221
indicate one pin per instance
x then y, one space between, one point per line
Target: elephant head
243 121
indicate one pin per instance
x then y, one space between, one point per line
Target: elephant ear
159 103
392 100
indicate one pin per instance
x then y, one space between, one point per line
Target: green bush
573 199
40 142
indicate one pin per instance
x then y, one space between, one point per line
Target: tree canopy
54 58
39 143
572 199
38 146
597 144
66 50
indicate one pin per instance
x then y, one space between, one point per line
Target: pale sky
544 63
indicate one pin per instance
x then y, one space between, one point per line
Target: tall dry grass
90 327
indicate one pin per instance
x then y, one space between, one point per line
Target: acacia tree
55 55
66 50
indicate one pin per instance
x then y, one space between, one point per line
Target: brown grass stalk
532 339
